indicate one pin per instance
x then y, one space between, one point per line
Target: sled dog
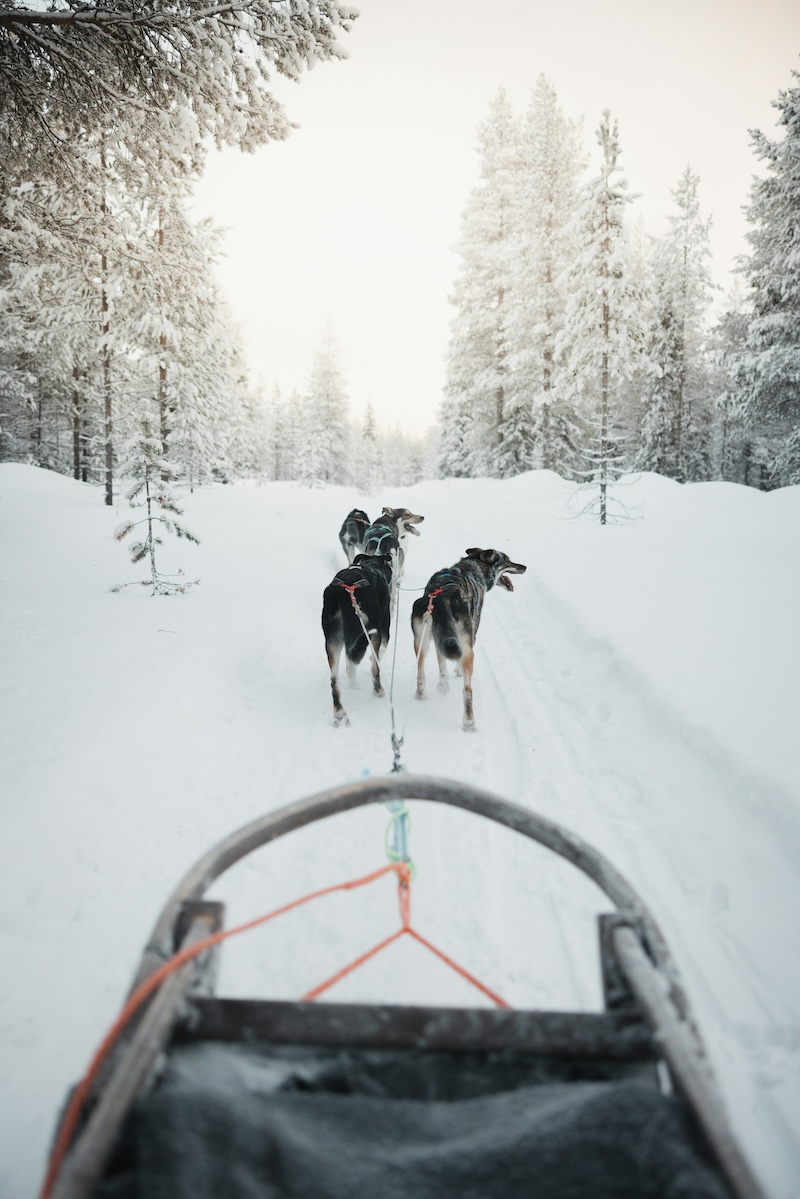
389 533
356 594
353 532
450 611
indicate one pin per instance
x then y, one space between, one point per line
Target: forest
578 343
582 345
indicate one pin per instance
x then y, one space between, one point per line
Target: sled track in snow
581 716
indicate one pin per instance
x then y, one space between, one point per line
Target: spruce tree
537 426
151 490
676 417
732 451
326 410
769 367
473 412
603 337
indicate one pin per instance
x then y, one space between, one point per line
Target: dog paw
419 694
379 692
339 719
468 726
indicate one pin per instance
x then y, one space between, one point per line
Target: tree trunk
77 422
151 545
163 406
604 428
106 359
107 410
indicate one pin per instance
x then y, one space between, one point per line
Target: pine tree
472 414
326 410
368 454
603 337
676 418
769 368
151 490
74 69
536 425
732 449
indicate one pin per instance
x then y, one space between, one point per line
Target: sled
195 1095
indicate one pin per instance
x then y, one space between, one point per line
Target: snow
639 687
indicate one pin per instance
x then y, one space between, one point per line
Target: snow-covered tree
71 67
472 414
151 490
732 451
326 406
676 418
536 424
602 342
367 453
769 367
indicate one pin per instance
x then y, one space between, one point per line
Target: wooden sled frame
647 1017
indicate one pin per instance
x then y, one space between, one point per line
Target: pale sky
356 217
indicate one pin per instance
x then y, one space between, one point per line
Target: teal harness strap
378 541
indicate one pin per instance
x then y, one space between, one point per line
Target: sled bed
205 1097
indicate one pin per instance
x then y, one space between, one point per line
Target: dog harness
431 597
353 588
443 574
378 540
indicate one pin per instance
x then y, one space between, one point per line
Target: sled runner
193 1096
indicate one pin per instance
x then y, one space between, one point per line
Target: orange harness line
154 980
404 890
431 595
352 588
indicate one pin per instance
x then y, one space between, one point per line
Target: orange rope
315 991
458 969
405 914
143 992
154 980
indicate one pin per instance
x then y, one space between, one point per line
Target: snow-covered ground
640 686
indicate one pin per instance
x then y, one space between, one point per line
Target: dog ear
474 553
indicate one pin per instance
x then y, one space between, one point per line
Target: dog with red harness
450 613
356 617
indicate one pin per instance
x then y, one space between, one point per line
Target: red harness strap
352 588
431 595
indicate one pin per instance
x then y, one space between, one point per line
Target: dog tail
445 635
355 643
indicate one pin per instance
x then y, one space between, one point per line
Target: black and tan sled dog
357 598
352 533
388 534
450 611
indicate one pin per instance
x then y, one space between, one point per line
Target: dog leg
339 715
350 667
422 636
376 670
443 686
467 664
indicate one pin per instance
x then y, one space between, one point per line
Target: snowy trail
627 780
578 735
137 732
